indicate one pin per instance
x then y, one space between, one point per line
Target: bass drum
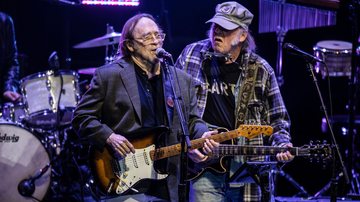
22 155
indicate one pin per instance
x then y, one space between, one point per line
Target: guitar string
140 157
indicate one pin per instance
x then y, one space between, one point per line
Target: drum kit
37 143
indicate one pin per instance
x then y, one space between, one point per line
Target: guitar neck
248 131
230 150
174 150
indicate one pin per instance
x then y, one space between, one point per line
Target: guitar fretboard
229 150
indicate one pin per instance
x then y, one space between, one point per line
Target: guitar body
216 165
119 176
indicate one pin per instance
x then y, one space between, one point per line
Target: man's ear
130 45
243 36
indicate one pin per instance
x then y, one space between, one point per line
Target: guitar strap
245 92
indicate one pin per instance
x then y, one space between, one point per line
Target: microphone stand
335 148
354 8
184 133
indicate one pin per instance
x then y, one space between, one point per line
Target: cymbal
87 71
107 39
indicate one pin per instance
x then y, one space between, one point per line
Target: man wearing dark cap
234 86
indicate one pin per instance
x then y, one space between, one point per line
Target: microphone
161 53
27 187
210 55
54 61
296 51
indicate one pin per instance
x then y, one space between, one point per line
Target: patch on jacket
170 101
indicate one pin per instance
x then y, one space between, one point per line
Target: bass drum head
21 156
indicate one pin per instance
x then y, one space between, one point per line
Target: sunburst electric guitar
118 176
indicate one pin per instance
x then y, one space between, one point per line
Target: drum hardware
53 142
53 61
13 112
69 171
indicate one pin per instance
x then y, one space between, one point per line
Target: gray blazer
112 104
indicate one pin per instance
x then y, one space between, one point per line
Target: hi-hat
87 71
107 39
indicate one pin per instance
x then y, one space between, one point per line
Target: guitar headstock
318 152
251 131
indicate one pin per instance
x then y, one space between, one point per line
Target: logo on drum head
6 138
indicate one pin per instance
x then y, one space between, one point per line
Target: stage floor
322 199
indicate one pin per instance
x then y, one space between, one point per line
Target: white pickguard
136 167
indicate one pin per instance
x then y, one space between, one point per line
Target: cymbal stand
109 58
280 40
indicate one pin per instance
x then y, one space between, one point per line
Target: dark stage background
46 26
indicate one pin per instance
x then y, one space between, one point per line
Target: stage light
111 2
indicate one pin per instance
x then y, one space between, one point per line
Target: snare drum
336 55
22 156
42 92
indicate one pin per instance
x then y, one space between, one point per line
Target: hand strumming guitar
120 144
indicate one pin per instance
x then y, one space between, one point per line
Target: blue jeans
211 187
132 198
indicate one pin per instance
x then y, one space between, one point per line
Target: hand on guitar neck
285 156
200 155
